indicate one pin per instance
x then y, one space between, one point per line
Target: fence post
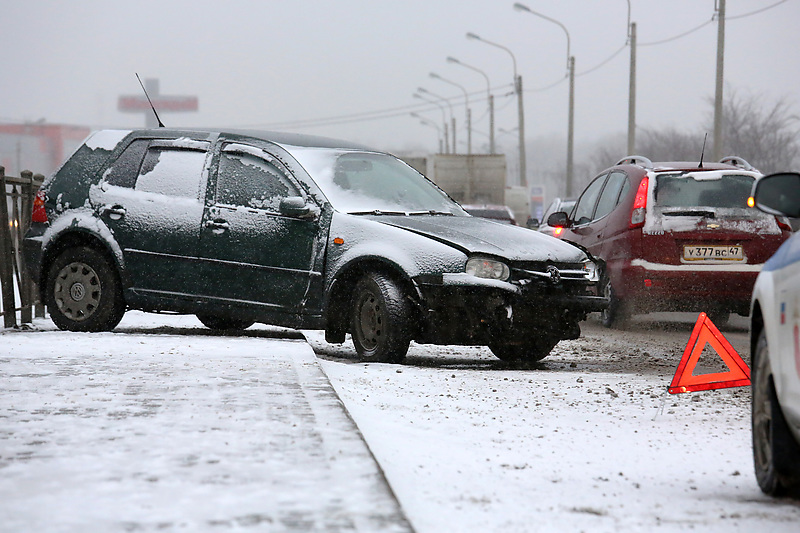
24 219
6 259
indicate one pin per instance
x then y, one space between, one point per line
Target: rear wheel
381 319
775 452
525 350
223 323
718 317
83 291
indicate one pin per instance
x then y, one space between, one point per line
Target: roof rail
636 160
737 162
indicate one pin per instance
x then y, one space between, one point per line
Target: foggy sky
277 64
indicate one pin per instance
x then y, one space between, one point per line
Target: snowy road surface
586 441
160 426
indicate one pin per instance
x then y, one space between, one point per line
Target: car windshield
373 183
703 189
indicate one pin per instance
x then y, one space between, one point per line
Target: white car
775 348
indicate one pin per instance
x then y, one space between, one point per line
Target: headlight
488 268
590 267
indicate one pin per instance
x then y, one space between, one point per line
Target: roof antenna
702 153
160 124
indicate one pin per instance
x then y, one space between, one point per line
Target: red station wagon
674 236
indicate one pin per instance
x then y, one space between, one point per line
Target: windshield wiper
377 213
691 213
431 212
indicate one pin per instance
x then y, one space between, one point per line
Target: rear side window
248 180
125 169
703 190
172 171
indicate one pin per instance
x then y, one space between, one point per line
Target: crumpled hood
475 235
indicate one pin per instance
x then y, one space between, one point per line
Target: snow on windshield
703 189
682 199
357 181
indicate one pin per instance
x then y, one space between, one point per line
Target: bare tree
765 134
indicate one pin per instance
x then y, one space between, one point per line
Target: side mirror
559 219
778 194
532 223
296 207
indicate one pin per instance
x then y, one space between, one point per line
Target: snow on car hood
478 235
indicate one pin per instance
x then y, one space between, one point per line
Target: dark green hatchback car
296 231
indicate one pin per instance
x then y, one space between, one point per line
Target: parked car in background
558 204
775 348
674 236
296 231
498 213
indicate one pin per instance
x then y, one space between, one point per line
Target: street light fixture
523 180
444 118
468 111
571 118
428 122
449 105
489 96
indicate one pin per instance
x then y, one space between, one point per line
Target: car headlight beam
482 267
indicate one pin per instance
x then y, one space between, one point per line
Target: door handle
114 212
218 226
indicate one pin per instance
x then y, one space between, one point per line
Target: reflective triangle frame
705 332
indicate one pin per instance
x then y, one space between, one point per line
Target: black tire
83 291
719 317
224 324
776 454
617 312
381 319
523 351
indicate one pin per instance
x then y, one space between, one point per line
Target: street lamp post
468 111
452 115
444 118
523 180
571 118
489 96
427 122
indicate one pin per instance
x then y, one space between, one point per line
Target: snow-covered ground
162 425
589 440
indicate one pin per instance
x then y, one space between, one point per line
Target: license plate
713 252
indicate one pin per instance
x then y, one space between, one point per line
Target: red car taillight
639 204
39 214
783 224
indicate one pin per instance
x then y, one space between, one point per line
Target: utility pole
718 109
632 94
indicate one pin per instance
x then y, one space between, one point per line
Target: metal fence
16 287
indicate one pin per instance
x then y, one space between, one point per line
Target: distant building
38 147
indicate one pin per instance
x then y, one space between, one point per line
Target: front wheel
775 452
616 312
381 319
523 351
83 292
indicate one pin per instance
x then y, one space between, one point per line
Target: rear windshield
703 189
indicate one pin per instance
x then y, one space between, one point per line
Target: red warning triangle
705 332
